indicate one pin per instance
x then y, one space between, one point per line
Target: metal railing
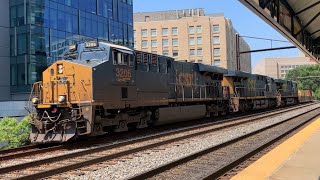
253 92
292 92
198 92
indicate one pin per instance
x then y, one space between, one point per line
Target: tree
308 78
14 132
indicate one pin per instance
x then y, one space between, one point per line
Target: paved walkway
298 158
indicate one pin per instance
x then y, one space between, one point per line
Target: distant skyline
243 20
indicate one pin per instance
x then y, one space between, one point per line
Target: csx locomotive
102 87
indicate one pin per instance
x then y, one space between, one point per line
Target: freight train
101 88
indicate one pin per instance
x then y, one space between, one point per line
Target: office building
34 34
191 35
279 67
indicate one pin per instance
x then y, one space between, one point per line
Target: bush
307 78
13 132
317 94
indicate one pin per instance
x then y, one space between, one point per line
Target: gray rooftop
170 15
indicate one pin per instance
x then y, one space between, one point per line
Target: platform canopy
297 20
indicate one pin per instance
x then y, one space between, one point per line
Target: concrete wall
4 51
14 109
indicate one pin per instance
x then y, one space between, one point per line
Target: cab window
122 58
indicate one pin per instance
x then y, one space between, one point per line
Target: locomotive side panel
152 80
114 86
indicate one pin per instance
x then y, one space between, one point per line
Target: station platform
295 159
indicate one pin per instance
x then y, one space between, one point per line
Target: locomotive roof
116 46
232 73
280 81
212 69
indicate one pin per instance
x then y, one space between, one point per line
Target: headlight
62 99
35 100
60 69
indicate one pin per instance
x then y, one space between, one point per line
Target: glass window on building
165 53
147 18
154 43
175 53
174 31
191 52
216 62
199 29
165 42
199 51
135 45
216 39
144 32
134 34
175 42
191 29
199 40
215 28
200 61
144 44
191 41
165 32
153 32
216 51
192 61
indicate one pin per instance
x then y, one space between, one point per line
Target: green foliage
311 80
317 94
14 132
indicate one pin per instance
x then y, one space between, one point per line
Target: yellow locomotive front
62 102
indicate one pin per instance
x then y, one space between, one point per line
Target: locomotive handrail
218 90
37 91
286 93
251 93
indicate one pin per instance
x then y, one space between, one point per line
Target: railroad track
215 161
36 150
113 153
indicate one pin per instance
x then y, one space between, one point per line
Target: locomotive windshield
94 55
87 55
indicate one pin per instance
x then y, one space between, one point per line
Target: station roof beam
297 20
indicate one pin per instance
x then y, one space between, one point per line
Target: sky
243 20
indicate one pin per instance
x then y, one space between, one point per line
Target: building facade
279 67
41 31
35 33
191 35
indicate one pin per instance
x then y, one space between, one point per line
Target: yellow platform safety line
269 163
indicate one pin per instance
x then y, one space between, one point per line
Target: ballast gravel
144 161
